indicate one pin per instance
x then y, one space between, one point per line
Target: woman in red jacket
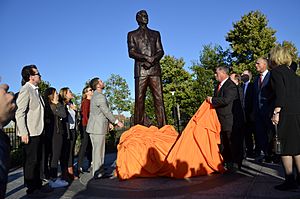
85 141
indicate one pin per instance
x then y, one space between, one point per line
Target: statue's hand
147 65
150 59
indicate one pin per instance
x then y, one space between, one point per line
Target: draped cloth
150 152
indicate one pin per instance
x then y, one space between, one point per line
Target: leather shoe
286 186
35 193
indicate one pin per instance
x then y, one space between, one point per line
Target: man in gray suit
30 126
98 123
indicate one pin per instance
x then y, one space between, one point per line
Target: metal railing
15 140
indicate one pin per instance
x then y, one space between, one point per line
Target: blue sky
72 41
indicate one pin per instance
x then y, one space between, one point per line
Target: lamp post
176 111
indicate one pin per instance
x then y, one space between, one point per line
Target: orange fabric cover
150 152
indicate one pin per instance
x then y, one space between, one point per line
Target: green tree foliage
118 94
203 83
213 56
203 72
43 85
77 100
250 39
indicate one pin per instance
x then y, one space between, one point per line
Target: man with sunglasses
30 126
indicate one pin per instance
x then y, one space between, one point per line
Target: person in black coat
286 114
224 95
248 93
238 129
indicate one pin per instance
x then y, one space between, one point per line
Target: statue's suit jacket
100 114
30 112
145 42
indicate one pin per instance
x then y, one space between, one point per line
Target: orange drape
149 152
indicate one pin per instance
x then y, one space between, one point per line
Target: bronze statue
144 46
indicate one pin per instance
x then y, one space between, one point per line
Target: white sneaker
58 183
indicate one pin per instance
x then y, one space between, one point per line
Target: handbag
277 146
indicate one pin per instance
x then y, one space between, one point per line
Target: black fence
15 140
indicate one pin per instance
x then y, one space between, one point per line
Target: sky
72 41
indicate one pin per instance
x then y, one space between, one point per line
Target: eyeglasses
38 74
89 90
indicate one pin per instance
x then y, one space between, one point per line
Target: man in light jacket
98 123
30 126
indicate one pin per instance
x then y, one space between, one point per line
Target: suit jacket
223 103
263 97
100 115
145 42
30 112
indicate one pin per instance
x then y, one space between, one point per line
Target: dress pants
226 146
84 148
264 133
249 144
98 143
32 162
4 162
57 143
155 85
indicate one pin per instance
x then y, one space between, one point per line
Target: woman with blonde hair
286 115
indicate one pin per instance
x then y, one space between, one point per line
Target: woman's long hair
63 95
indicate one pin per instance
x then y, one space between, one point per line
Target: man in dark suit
144 46
263 110
248 90
224 95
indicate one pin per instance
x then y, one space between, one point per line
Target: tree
43 85
203 72
203 83
213 56
250 39
118 94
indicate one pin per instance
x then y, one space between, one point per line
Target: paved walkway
254 181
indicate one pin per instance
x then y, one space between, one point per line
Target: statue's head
142 17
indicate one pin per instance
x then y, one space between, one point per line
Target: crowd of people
48 126
248 112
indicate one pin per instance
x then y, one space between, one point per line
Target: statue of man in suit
144 46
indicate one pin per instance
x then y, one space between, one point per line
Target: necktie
219 87
260 80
